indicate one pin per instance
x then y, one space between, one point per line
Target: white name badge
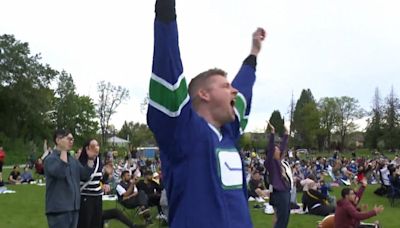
231 170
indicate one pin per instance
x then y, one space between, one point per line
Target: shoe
251 199
269 210
260 200
161 216
297 211
143 211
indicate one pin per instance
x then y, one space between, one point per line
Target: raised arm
244 81
284 141
271 144
55 167
168 89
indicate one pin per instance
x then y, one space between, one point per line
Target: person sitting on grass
348 215
256 187
15 176
130 197
152 190
316 202
26 176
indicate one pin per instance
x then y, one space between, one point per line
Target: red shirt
347 215
2 155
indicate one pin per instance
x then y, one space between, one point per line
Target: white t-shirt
121 190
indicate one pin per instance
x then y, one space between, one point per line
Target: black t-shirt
150 188
15 174
253 185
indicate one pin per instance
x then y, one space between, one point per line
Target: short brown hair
201 79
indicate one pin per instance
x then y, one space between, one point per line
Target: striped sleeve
168 93
244 82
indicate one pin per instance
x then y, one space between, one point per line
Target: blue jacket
202 169
63 183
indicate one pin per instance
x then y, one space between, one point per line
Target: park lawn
25 208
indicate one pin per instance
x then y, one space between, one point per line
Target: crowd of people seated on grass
314 177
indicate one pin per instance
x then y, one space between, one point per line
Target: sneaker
260 200
161 216
268 209
251 199
143 211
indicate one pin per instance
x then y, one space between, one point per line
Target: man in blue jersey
196 130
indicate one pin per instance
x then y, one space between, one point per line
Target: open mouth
233 103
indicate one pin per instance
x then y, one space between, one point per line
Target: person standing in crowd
197 129
63 174
91 191
280 177
2 159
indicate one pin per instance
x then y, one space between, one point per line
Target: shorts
1 166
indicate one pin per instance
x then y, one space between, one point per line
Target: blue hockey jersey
202 169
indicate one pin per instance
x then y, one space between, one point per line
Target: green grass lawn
25 208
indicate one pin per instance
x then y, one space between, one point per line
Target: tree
245 141
110 97
278 122
375 123
66 105
291 114
138 134
391 131
305 120
348 111
74 112
86 125
328 118
25 96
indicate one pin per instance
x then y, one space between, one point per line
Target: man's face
65 142
221 99
127 177
352 196
256 176
277 153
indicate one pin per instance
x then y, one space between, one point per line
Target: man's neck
208 117
61 149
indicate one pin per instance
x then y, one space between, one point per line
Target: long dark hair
83 157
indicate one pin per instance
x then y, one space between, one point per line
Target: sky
333 47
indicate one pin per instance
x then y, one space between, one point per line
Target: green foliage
139 134
348 111
306 121
245 141
374 129
74 112
31 110
328 117
278 122
391 127
25 96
